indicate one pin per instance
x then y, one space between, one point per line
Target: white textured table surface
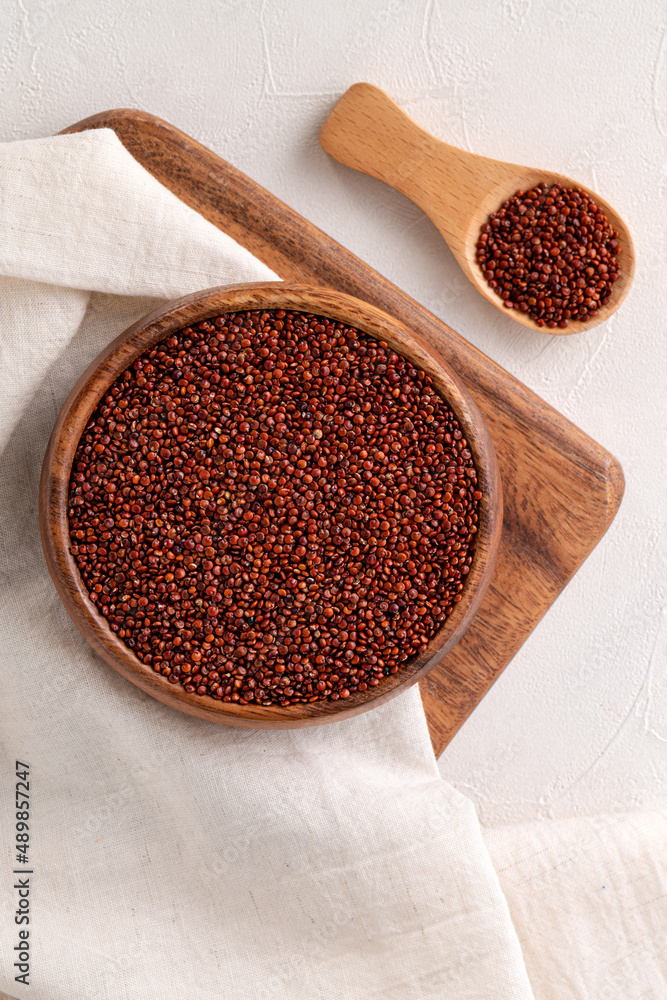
578 722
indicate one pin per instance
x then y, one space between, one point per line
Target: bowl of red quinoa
270 506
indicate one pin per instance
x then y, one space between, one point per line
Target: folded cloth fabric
588 897
169 856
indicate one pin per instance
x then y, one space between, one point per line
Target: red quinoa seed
550 253
273 508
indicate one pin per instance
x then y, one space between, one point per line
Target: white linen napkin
588 898
169 856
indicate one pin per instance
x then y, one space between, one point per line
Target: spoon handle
368 131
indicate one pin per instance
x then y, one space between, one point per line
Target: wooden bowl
85 396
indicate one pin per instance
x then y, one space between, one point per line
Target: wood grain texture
561 489
142 336
368 131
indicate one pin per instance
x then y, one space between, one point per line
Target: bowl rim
143 335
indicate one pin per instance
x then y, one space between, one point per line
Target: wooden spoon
457 190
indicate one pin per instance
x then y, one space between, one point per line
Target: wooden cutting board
561 490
